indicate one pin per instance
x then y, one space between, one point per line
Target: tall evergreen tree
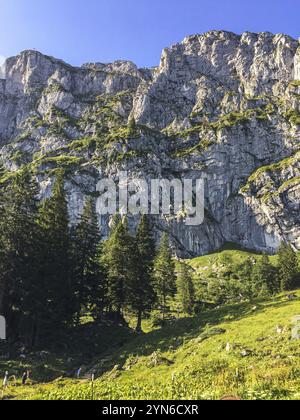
56 260
2 247
288 268
141 296
116 259
87 276
185 288
244 273
19 255
164 275
264 277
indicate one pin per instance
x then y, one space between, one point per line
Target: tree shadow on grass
104 346
177 332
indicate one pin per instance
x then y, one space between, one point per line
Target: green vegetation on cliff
272 169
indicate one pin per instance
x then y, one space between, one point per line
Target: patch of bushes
232 119
20 157
82 144
62 117
271 168
199 148
289 184
293 116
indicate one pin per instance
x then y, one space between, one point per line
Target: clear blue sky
80 31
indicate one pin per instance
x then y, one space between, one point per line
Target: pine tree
56 261
19 237
87 276
116 260
164 275
141 296
185 288
264 277
244 272
2 246
288 268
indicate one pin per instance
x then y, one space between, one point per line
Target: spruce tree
116 260
288 268
244 272
185 288
164 275
56 261
19 237
264 277
2 247
87 276
141 296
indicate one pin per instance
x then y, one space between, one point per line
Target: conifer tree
141 294
2 246
19 238
264 277
116 259
185 288
87 276
164 275
244 272
56 260
288 268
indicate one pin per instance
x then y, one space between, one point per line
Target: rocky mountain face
219 105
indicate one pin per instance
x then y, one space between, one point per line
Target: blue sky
80 31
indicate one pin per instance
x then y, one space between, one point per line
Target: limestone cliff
220 105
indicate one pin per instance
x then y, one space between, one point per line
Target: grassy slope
188 358
236 255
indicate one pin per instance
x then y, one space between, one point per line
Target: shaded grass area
73 350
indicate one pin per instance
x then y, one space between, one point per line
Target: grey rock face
219 105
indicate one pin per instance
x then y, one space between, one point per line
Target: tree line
52 272
256 277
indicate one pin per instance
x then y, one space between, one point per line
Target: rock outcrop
219 105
